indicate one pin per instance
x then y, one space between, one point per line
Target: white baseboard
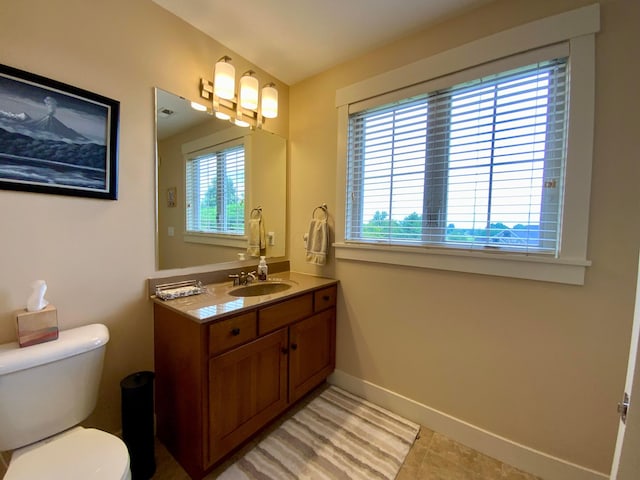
503 449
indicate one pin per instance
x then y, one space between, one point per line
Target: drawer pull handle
326 298
294 346
235 332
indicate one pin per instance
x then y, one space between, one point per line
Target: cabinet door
247 388
312 350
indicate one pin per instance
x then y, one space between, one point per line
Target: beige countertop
217 301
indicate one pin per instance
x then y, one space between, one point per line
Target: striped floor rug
336 436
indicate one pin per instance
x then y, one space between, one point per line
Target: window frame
381 129
576 30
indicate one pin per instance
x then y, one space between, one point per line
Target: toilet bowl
77 454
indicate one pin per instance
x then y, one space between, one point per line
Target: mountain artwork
55 138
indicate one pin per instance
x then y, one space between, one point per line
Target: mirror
183 133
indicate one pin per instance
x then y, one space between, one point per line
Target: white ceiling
295 39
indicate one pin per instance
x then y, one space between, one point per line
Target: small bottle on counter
263 269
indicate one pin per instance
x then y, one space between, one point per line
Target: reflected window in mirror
215 200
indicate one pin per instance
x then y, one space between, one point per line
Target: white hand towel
317 241
257 238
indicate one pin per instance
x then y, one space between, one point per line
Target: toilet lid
78 454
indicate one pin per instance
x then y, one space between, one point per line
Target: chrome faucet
248 278
243 278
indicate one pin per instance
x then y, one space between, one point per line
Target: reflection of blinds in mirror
215 192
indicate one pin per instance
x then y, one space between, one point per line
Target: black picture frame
56 138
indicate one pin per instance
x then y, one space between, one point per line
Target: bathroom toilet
46 390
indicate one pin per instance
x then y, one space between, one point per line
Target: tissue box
37 327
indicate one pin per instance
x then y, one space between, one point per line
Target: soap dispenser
262 268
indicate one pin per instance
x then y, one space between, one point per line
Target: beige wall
94 254
538 363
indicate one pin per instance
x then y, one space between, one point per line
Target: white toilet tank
49 387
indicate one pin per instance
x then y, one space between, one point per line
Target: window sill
239 241
568 271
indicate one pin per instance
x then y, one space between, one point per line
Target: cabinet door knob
326 298
294 346
285 350
235 332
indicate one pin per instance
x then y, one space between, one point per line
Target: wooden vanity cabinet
218 383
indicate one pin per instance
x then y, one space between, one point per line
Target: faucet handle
236 279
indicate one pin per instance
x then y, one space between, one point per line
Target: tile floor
433 456
437 457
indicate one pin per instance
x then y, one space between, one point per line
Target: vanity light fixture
250 106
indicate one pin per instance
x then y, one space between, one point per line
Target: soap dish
169 291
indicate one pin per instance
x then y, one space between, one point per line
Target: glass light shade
249 92
222 116
269 101
224 80
198 106
241 123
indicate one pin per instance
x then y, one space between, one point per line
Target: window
477 159
215 191
478 165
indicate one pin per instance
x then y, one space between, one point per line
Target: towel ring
257 210
322 207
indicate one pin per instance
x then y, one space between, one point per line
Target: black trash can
137 423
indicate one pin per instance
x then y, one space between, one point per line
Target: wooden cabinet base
220 382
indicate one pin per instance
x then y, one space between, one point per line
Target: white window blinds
477 165
215 192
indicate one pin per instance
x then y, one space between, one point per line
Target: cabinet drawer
324 298
276 316
232 332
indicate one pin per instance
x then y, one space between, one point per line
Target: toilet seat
77 454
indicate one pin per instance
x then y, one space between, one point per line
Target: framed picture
56 138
